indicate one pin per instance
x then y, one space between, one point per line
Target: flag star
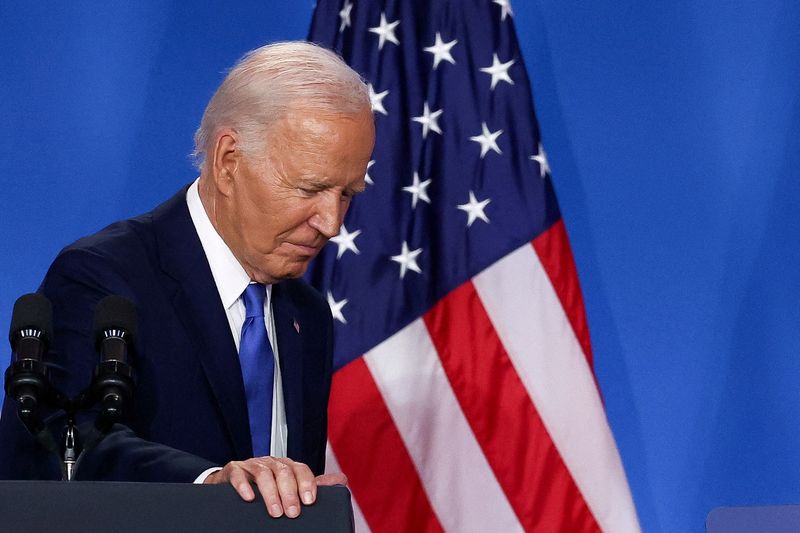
418 191
499 71
385 31
429 121
407 260
541 158
346 241
506 8
336 308
367 177
344 14
474 209
487 139
441 50
376 100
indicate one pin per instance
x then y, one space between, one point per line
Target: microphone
26 378
115 325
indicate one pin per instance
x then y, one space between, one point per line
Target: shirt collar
229 276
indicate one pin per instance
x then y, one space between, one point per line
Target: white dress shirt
231 281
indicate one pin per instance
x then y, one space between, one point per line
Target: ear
225 160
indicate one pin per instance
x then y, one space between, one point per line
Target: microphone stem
69 453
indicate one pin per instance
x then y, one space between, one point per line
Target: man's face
280 212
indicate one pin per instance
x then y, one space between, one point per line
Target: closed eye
311 191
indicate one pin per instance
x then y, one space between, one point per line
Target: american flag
464 398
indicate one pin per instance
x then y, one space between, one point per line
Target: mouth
309 250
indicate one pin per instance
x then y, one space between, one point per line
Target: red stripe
510 432
555 254
372 455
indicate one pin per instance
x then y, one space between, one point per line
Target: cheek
296 213
258 230
267 231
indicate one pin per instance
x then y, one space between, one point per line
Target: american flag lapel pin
296 325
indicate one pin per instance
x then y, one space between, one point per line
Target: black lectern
85 506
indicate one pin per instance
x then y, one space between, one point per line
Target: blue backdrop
673 131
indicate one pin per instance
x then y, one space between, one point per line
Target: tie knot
254 296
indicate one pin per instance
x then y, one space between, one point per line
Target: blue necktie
258 368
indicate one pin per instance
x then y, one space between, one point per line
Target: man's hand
281 482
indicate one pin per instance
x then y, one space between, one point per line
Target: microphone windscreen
32 311
115 312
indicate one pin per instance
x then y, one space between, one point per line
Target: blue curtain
673 132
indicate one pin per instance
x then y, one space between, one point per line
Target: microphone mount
110 391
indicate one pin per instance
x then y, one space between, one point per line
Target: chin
290 271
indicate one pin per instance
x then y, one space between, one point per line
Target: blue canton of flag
458 177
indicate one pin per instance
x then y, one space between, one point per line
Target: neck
208 197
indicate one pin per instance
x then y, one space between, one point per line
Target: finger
306 482
334 478
287 487
240 480
265 480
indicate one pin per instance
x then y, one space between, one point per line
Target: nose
328 215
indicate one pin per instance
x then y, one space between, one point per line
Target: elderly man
234 352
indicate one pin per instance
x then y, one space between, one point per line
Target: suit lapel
290 354
198 306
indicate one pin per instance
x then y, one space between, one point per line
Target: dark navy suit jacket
190 410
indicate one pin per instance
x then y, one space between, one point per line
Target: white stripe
530 321
460 484
332 466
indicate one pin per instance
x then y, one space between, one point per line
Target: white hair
266 83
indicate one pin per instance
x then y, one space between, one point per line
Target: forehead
311 135
307 123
